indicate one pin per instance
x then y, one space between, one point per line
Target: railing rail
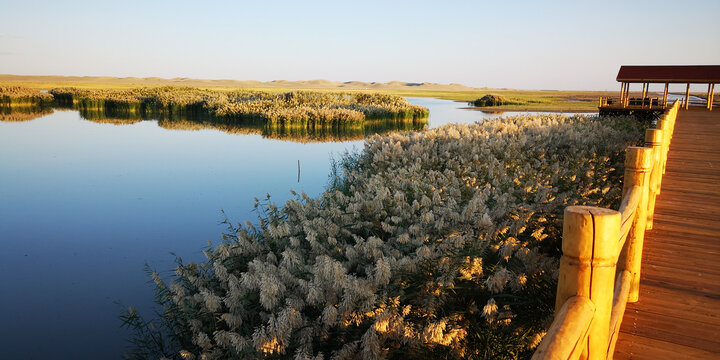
647 102
568 336
602 253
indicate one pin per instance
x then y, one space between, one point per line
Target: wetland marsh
87 200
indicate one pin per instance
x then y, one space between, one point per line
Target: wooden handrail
567 335
627 214
596 241
646 102
620 297
654 140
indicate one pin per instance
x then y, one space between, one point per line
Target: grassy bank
436 244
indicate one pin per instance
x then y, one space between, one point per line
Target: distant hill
307 84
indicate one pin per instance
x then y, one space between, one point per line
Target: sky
571 45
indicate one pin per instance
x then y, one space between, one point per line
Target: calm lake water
85 204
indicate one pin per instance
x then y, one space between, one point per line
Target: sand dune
308 84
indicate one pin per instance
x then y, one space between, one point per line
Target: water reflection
492 112
23 113
297 133
102 116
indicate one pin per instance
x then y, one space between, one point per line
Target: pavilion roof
704 74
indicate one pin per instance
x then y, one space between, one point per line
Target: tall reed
22 96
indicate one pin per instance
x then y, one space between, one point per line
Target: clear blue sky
517 44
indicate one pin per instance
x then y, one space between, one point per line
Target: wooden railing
602 253
648 102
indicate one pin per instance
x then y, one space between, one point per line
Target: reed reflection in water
303 133
23 113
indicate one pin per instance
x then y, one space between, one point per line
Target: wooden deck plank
678 315
630 346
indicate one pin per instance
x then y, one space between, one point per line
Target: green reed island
288 108
304 116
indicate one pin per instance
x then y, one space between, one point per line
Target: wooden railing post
664 125
672 116
653 139
638 163
587 268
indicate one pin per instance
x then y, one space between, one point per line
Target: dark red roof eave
703 74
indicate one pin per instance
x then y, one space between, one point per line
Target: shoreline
576 101
528 109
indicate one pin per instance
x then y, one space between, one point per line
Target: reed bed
443 244
22 96
306 108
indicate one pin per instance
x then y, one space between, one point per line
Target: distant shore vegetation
439 244
522 100
293 107
491 100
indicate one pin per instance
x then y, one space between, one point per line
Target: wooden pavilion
662 74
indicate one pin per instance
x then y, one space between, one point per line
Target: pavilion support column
687 96
642 97
707 106
712 97
622 92
627 94
665 95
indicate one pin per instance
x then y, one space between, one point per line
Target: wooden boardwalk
678 315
